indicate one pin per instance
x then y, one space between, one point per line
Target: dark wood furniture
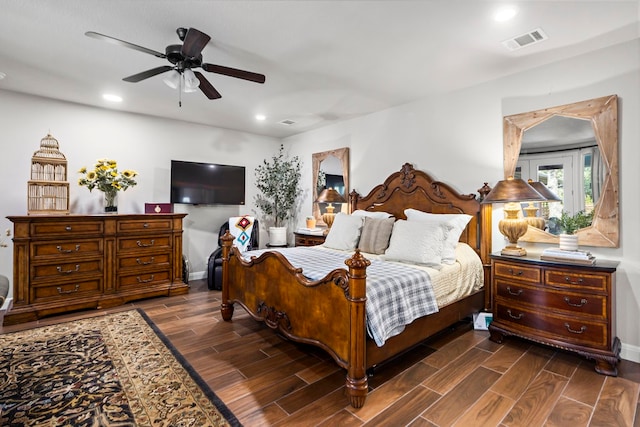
330 313
302 239
569 306
69 262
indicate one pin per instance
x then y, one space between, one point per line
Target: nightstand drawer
555 300
575 280
308 239
515 271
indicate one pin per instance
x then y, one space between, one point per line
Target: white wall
138 142
457 138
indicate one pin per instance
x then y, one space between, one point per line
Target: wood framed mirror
602 114
329 169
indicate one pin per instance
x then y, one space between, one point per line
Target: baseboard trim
630 352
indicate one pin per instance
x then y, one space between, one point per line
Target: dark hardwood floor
458 378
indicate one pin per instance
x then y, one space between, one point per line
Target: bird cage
48 189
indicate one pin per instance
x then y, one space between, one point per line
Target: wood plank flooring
458 378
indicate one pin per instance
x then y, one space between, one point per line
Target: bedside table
308 239
564 305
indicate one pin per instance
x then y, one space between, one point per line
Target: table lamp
329 195
512 192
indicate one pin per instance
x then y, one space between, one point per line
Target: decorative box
158 208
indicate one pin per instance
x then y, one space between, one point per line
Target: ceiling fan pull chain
180 90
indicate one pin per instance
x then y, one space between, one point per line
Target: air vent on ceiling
287 122
526 39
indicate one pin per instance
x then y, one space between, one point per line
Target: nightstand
564 305
308 239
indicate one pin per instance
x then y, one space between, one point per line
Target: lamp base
513 251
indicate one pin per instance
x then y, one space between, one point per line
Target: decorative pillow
374 238
417 243
345 232
456 224
241 227
381 215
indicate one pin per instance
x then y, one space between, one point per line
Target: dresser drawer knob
145 225
140 262
68 228
61 292
60 270
582 302
67 251
576 282
145 280
519 292
582 329
518 317
145 245
518 273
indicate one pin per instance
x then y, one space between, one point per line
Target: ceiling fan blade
149 73
234 72
119 42
206 88
194 42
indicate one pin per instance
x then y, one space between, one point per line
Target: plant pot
311 223
568 242
277 236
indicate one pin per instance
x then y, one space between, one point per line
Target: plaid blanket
396 294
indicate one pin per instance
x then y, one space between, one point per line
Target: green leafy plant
278 182
572 223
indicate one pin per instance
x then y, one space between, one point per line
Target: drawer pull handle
145 280
145 245
518 317
577 282
519 292
60 270
582 329
67 251
68 228
61 292
145 225
140 262
513 273
582 302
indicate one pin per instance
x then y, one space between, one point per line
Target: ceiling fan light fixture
191 82
173 79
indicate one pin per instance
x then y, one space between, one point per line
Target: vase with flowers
106 178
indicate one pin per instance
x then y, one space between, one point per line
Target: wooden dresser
308 239
69 262
564 305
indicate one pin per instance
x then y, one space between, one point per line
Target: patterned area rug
112 370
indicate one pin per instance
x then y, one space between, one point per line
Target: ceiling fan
184 58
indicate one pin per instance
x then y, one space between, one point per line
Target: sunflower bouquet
106 178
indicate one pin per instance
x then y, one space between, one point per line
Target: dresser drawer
555 300
67 291
71 229
154 261
570 329
151 224
150 243
67 248
575 280
515 271
141 280
65 270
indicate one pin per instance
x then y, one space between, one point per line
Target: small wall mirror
330 169
573 150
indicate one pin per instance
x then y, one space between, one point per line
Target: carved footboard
328 313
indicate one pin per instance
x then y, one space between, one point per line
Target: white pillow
417 243
456 224
345 232
371 214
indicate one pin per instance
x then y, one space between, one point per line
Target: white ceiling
324 61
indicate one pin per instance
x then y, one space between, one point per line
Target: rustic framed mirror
330 169
539 144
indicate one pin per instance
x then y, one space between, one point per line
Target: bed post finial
226 309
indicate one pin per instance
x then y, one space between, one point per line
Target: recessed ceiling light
261 117
112 98
505 13
2 75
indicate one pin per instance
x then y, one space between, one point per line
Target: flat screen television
195 183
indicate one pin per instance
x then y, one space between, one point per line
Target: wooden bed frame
330 313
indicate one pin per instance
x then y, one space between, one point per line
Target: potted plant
570 224
278 183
